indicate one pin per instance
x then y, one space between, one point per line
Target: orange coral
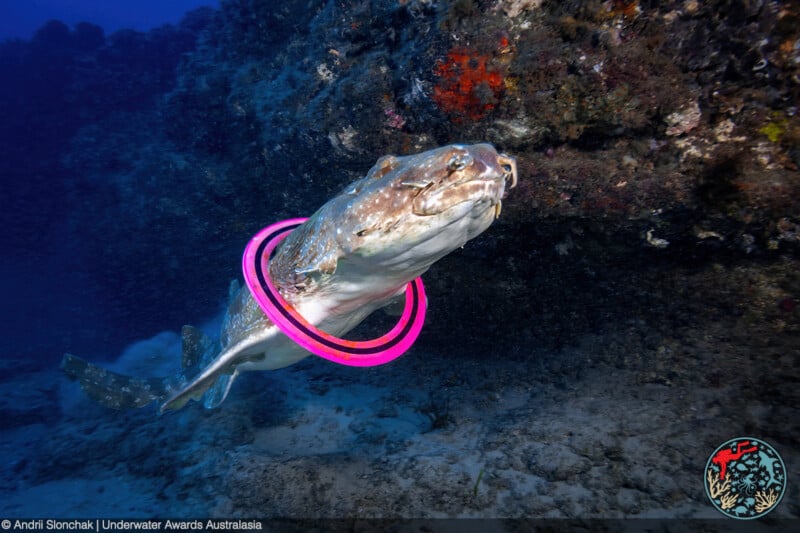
629 10
467 87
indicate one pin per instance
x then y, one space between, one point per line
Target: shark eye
459 162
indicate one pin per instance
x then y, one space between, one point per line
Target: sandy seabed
619 423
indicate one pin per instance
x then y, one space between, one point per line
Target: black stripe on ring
322 340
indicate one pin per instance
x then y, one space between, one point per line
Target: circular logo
745 478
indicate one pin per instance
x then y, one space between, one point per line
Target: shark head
405 214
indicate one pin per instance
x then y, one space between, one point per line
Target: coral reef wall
648 134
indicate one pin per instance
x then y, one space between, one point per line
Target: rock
554 462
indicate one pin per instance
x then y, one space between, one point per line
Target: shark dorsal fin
196 346
233 290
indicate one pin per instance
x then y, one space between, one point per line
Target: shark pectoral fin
113 390
217 393
194 390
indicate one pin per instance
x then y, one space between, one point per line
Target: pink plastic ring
255 265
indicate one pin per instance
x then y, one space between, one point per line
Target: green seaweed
477 482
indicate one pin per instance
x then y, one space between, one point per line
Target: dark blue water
58 293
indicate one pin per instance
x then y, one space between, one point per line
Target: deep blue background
59 77
21 18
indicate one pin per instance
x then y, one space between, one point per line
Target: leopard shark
355 255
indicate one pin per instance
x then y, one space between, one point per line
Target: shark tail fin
111 389
119 391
